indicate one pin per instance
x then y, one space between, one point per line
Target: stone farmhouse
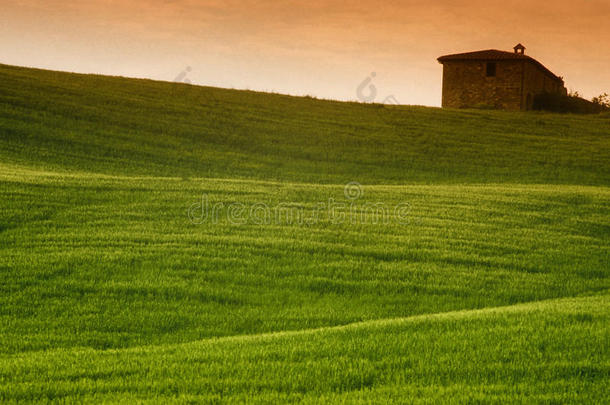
496 79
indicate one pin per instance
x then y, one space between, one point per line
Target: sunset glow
321 48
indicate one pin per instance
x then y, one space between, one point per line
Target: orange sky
324 48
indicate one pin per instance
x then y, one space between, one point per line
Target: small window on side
491 69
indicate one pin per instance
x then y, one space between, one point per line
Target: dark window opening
491 69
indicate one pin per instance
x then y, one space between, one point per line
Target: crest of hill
113 125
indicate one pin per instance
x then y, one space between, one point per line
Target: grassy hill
122 126
489 283
532 353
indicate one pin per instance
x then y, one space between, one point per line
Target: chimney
519 49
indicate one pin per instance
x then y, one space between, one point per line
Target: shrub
566 104
602 100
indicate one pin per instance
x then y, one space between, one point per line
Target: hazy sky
324 48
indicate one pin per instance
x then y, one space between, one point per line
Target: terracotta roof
494 54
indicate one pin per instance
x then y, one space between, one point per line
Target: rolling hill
161 242
62 121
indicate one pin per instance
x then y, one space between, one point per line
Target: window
491 69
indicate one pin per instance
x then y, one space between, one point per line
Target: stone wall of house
516 83
537 81
465 84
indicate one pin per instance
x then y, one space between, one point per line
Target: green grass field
491 284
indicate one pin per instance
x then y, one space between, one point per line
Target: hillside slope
107 262
554 351
63 121
161 242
